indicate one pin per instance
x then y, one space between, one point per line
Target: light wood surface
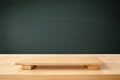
10 71
93 63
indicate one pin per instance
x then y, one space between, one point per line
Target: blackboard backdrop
59 26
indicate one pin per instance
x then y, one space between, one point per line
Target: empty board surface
61 61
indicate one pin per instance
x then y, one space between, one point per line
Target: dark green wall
3 12
59 26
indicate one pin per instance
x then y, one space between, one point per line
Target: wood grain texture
74 77
92 63
10 71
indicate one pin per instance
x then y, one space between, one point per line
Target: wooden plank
8 67
9 71
92 63
61 77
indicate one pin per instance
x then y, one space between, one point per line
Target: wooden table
10 71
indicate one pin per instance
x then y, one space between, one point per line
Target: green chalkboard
59 26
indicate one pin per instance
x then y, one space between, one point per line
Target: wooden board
92 63
10 71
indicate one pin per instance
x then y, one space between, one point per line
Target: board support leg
93 67
27 67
